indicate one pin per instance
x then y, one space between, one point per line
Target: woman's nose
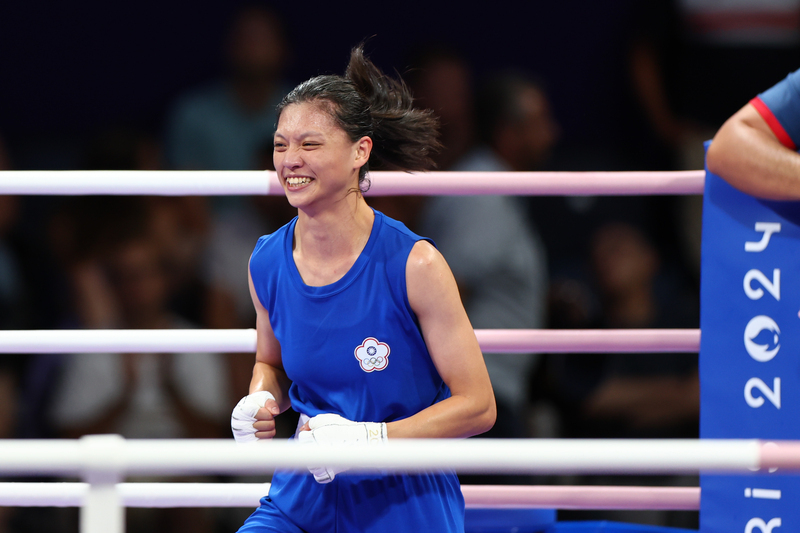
292 158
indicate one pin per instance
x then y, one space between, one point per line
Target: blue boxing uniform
779 106
353 348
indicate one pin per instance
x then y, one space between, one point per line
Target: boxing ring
103 462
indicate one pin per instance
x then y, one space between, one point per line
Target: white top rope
217 183
244 340
111 457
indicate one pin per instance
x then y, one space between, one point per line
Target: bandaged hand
256 407
333 429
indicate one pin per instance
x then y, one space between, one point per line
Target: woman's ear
363 151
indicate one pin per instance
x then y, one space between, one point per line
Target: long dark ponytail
366 102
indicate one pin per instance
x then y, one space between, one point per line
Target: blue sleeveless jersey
355 348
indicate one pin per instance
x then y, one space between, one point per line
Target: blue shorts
268 519
368 504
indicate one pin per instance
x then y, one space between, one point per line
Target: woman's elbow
487 415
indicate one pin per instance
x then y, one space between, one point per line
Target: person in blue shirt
223 124
756 149
360 325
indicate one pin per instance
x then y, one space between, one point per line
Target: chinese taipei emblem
372 354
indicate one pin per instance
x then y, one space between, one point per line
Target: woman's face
314 158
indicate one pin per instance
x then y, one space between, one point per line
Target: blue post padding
749 352
610 527
508 520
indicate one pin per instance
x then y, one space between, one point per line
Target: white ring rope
116 457
136 494
209 183
248 494
128 340
244 340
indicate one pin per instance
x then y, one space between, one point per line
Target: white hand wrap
244 415
333 429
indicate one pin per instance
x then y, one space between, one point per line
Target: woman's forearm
455 417
272 379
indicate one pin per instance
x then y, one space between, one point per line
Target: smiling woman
360 325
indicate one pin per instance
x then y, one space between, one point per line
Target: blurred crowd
546 262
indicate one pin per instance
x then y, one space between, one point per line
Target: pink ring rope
784 454
28 494
582 498
589 341
536 183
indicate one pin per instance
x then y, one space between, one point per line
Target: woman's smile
297 182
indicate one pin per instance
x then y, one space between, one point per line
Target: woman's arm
451 341
747 154
268 374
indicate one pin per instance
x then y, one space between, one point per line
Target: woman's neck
327 244
334 231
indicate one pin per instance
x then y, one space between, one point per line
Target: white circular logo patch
372 354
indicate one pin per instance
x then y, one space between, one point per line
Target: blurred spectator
651 393
124 258
137 395
566 224
518 132
440 79
496 256
515 125
179 224
181 227
222 126
631 395
655 47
